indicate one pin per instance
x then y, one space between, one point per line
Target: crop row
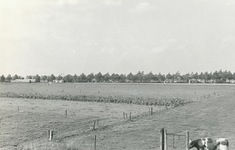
172 102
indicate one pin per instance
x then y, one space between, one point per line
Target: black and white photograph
117 74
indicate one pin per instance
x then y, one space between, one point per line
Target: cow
209 144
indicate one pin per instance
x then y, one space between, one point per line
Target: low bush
171 102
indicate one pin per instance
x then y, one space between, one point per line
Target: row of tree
140 77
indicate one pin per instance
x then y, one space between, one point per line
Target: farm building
154 81
94 80
58 81
169 81
230 81
201 80
23 80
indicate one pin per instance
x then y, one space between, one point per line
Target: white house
23 80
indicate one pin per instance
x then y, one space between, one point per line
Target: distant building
201 80
43 81
169 81
94 80
58 81
230 81
154 81
23 80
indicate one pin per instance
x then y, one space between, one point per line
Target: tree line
139 77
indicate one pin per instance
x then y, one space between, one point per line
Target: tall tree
122 78
99 77
139 76
215 75
2 78
161 77
37 78
148 77
9 78
59 77
68 78
210 76
195 75
220 75
75 78
82 78
130 77
206 76
115 77
169 76
106 77
15 77
177 76
90 77
201 76
44 78
52 78
29 77
229 76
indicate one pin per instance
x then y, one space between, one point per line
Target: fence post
66 112
94 126
51 135
162 139
151 110
130 116
165 140
95 143
187 140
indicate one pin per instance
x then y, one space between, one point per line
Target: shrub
173 102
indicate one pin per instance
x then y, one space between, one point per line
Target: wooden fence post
51 135
130 116
94 126
151 111
187 140
95 143
66 112
162 139
165 140
124 115
18 109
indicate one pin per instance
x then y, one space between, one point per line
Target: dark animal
209 144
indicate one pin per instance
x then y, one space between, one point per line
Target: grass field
124 90
25 122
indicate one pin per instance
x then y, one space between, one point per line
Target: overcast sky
117 36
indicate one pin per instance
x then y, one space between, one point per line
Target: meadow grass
25 121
